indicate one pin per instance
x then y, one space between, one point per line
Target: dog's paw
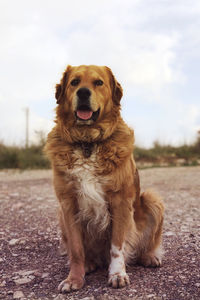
118 280
71 284
151 260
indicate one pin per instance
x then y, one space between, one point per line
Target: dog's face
88 93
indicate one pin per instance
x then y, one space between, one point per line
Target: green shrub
144 154
32 158
8 157
23 158
196 146
167 153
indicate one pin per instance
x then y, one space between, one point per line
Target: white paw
118 280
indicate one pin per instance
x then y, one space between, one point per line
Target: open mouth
84 113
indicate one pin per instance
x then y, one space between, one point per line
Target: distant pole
27 126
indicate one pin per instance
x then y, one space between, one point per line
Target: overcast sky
153 48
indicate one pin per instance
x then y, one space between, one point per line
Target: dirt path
31 268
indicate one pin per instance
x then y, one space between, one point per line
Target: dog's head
88 96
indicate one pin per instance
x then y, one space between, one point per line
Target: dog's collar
86 148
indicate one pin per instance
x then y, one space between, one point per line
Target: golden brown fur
104 219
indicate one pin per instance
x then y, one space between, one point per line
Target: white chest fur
90 195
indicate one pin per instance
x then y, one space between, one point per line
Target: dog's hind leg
149 222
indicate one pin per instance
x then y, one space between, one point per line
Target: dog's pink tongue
84 114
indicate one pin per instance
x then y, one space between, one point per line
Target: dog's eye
75 82
98 82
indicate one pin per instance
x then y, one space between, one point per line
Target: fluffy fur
105 222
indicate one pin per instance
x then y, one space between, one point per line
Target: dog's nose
83 93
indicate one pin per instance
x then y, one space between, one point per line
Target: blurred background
153 48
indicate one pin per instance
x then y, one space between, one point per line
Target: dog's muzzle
84 111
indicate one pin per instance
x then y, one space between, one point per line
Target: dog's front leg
72 230
122 218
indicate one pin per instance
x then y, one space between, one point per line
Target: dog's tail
151 203
148 201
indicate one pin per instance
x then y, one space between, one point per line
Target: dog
105 221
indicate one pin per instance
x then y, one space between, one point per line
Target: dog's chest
90 194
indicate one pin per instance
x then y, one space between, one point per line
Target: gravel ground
30 265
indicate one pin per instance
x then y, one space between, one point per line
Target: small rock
24 280
197 284
22 242
18 295
10 292
3 283
1 260
169 233
44 275
25 273
14 242
17 205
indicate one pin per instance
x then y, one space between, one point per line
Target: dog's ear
60 87
117 91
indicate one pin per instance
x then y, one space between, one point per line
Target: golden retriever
105 222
